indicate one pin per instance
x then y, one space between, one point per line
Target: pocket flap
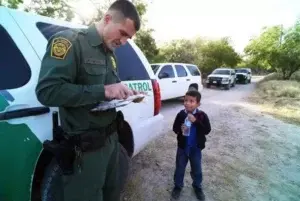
95 69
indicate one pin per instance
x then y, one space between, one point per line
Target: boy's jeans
195 162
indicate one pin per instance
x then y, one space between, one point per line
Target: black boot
176 192
199 194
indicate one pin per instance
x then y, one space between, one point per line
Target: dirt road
249 156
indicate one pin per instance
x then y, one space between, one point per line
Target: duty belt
94 139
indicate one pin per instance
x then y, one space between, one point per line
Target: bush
279 89
296 76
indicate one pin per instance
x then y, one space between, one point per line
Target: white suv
175 79
25 123
221 77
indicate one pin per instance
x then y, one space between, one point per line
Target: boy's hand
192 118
183 128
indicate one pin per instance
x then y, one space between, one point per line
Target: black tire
208 85
51 188
52 184
227 87
192 88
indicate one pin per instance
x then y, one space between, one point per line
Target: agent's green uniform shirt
74 70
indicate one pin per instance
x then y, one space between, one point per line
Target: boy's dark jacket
202 124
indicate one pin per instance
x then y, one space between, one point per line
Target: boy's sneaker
199 194
176 192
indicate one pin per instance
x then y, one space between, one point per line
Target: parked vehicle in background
175 79
243 75
221 77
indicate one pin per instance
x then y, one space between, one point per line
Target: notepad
118 103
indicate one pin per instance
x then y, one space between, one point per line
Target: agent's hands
119 91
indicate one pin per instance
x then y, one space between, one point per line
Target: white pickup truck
26 171
175 79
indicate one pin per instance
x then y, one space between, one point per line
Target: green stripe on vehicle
139 85
19 150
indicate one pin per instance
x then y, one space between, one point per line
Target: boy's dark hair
127 10
195 94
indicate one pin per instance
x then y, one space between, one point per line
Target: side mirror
163 75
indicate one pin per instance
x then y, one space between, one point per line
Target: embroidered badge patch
114 65
60 47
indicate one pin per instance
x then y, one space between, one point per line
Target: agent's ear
107 18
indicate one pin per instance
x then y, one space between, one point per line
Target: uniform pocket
92 69
93 74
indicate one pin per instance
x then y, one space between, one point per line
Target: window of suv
221 72
193 70
14 69
155 67
181 72
129 65
166 72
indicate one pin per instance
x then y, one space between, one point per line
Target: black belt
95 139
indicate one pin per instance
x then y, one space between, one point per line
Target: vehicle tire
51 187
227 87
192 88
233 84
52 184
250 81
208 85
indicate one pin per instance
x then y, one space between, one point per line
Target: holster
67 149
64 153
61 147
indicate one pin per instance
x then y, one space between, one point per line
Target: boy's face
190 103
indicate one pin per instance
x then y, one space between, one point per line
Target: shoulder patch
60 47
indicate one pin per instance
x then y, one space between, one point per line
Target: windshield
241 71
155 67
221 72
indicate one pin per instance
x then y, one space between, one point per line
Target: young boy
190 142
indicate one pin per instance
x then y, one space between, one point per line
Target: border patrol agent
77 72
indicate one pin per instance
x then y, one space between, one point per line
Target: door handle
188 79
174 81
24 112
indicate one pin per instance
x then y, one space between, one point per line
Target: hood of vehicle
245 74
219 75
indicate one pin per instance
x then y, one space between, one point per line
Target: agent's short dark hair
127 10
195 94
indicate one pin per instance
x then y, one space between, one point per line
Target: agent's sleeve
203 123
56 84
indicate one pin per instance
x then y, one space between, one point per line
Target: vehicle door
183 80
195 75
167 82
19 146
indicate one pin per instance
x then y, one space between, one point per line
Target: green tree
144 39
11 3
277 49
218 53
207 54
59 9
